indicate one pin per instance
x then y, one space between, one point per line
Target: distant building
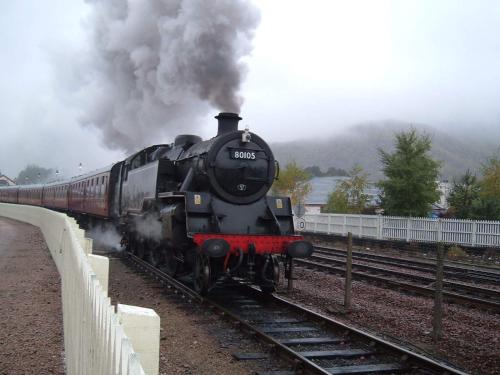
441 206
5 181
321 187
444 188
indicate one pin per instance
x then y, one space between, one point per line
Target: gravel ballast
31 332
471 339
194 339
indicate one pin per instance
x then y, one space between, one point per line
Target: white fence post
94 342
380 229
473 234
89 244
142 326
100 265
461 232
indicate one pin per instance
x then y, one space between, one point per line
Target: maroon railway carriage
89 194
55 196
31 194
9 194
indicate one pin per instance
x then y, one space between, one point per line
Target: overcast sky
317 66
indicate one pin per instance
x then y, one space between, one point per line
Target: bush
456 252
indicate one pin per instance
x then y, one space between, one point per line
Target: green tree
349 195
293 181
464 196
314 171
488 207
338 202
410 187
34 174
490 184
332 171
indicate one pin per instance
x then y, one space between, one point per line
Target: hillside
458 150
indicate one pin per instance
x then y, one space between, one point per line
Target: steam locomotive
193 207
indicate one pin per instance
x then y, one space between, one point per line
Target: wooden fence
453 231
97 339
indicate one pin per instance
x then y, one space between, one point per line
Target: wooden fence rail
453 231
97 339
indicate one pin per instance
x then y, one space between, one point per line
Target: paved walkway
31 334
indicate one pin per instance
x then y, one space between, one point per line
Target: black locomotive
191 207
209 201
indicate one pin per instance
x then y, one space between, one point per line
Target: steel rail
422 290
410 361
427 362
491 293
472 272
163 277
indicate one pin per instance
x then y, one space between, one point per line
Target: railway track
464 272
422 285
312 343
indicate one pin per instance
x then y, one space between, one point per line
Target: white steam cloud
157 66
107 235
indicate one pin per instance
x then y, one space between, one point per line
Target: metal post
348 273
438 296
290 275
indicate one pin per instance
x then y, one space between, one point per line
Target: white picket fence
453 231
97 340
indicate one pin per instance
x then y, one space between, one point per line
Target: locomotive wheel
131 244
201 274
272 273
140 249
155 256
171 264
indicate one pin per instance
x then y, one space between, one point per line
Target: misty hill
458 150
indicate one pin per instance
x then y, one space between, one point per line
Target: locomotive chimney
228 122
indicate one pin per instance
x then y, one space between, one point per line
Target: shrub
456 252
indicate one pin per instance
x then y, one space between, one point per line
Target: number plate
243 154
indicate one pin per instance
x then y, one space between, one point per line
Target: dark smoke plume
158 66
